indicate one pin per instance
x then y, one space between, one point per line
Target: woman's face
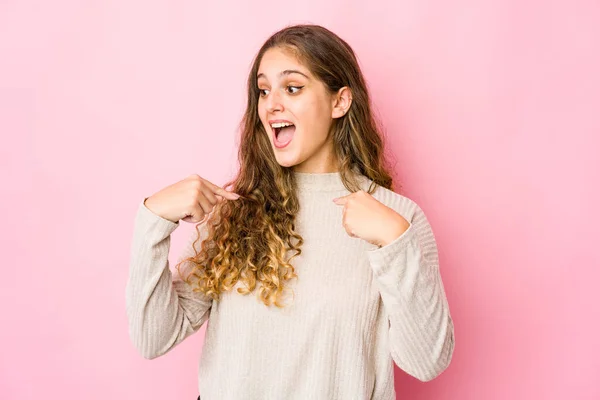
290 93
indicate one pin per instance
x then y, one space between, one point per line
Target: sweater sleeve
406 271
162 310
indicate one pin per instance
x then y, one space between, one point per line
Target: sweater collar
324 181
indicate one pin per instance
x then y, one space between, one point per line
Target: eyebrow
286 72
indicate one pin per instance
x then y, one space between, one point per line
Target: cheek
310 113
318 118
262 115
260 110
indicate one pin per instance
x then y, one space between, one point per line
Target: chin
286 163
287 160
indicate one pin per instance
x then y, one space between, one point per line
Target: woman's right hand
188 200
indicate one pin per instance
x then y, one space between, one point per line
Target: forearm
161 311
421 332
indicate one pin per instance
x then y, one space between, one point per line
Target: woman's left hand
367 218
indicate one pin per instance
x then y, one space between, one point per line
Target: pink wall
492 111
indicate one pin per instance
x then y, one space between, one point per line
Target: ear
341 102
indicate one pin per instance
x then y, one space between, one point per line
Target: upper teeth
280 124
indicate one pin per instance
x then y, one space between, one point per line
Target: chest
334 274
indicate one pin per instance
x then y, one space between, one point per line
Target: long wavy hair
250 239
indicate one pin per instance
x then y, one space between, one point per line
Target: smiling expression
289 92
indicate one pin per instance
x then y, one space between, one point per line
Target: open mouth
284 135
286 128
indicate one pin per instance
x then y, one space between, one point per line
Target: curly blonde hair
249 239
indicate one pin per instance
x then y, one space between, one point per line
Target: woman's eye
290 89
295 87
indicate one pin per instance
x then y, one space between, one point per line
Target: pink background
491 110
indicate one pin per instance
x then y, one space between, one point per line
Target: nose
274 102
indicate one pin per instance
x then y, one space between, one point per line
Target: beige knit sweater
357 308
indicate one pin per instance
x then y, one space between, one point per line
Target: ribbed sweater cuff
381 258
147 221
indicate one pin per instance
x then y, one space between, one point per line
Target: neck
324 161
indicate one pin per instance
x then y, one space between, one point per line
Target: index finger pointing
222 192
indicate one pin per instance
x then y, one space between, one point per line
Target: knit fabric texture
357 308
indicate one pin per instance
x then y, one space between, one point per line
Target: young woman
313 275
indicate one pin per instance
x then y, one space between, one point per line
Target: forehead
277 60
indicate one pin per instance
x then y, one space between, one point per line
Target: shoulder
413 213
396 201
